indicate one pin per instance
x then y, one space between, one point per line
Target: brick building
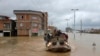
6 28
31 22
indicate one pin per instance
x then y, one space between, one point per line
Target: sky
59 11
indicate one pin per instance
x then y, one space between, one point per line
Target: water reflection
94 50
13 41
57 54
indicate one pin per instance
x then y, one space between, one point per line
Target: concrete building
30 22
6 28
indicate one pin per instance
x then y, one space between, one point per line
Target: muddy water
24 46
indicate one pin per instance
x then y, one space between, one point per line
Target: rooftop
21 11
4 16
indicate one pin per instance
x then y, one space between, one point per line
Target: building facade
6 28
30 22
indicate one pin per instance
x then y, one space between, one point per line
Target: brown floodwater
81 45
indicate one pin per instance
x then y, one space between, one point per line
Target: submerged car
58 44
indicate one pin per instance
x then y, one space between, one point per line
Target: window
7 25
0 17
33 17
21 25
34 24
21 17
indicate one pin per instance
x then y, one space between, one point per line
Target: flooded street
82 45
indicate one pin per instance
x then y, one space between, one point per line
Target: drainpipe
31 28
10 27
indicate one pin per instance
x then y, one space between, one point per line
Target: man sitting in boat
47 37
58 41
56 34
60 34
65 36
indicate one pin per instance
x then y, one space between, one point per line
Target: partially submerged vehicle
58 44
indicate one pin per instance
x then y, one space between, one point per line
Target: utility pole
67 21
10 27
81 27
67 24
74 10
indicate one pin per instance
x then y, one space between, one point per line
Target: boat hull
58 47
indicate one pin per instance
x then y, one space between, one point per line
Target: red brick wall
28 21
2 21
1 25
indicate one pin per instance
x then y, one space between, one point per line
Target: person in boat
57 32
60 34
65 36
47 37
54 32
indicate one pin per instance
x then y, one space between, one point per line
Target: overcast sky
58 11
